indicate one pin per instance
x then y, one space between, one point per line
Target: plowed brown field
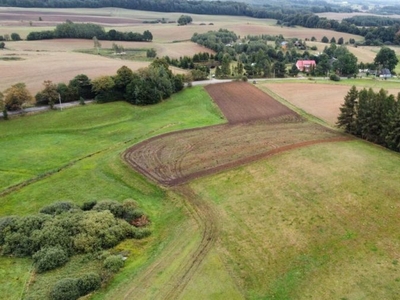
241 102
258 126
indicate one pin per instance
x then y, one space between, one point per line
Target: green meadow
75 155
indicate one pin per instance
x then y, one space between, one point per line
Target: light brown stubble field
320 100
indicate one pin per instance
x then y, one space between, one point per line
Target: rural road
44 108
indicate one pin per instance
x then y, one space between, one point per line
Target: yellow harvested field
58 67
55 60
320 100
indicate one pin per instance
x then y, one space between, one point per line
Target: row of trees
373 116
88 31
146 86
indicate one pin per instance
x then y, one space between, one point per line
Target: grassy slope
34 145
316 217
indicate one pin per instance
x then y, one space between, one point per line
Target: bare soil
242 102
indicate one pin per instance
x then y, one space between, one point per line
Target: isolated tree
16 96
7 37
325 40
15 36
151 53
184 20
340 41
147 36
333 40
347 116
2 45
386 58
96 44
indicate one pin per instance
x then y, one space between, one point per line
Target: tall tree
386 58
347 116
16 96
96 44
49 94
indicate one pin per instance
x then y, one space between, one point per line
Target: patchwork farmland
258 126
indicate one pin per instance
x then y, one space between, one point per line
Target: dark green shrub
88 205
58 208
113 263
334 77
114 207
6 223
88 283
65 289
49 259
141 233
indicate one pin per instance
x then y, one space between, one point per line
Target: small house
305 65
385 73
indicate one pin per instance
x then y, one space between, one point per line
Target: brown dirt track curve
258 127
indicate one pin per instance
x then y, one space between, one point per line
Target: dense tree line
273 10
88 31
373 116
372 21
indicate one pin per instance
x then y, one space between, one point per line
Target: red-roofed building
305 65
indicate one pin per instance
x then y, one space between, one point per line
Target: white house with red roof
305 65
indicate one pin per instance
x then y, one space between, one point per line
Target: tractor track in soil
199 208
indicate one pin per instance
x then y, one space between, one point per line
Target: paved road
44 108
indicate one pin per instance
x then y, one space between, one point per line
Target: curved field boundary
178 157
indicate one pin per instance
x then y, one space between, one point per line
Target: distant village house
305 65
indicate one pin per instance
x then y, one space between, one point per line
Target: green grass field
313 223
79 149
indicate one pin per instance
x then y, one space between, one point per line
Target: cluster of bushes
73 288
373 116
88 31
64 229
